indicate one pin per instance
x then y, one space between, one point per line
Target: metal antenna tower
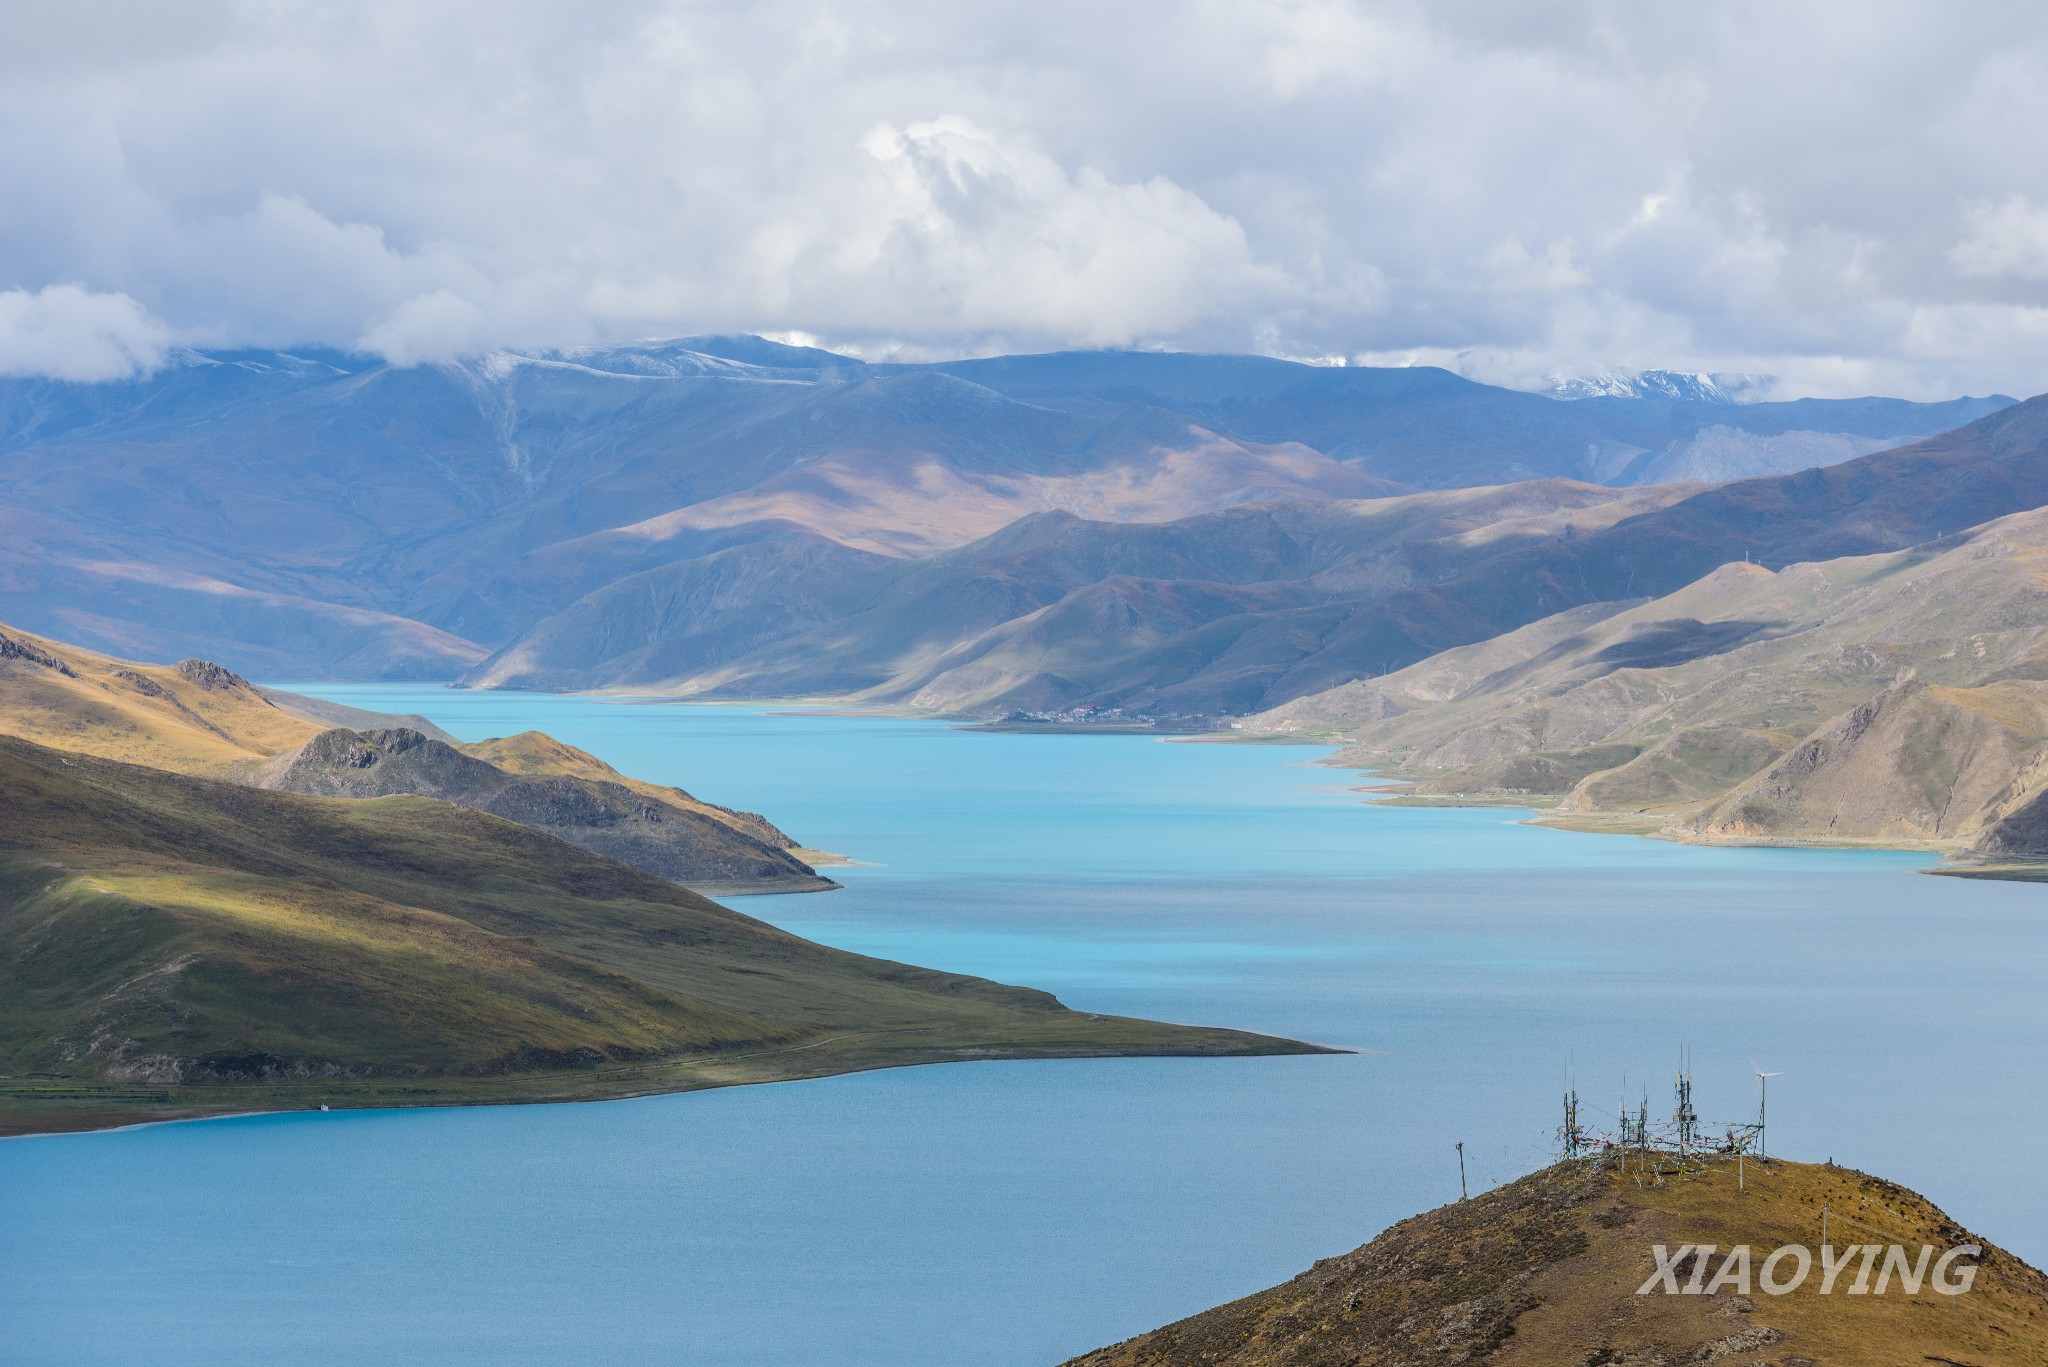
1685 1117
1570 1131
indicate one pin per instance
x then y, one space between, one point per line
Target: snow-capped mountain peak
1698 387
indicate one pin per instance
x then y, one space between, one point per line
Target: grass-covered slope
1543 1272
192 716
195 717
172 945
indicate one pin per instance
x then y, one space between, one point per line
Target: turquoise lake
1018 1213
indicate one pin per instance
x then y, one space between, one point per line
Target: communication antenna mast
1685 1117
1763 1090
1570 1132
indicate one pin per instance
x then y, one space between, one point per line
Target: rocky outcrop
612 819
537 753
12 649
209 675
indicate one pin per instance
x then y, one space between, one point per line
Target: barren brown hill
1897 699
1916 765
1544 1272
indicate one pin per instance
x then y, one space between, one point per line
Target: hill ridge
1560 1269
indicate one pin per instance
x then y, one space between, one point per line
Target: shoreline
1648 826
857 1052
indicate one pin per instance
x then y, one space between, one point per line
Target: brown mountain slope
1204 615
1905 693
910 501
192 716
1544 1272
1916 765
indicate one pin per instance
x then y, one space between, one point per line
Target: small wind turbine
1763 1097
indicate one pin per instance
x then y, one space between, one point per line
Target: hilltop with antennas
1665 1245
1684 1135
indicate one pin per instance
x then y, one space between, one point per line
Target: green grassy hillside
172 945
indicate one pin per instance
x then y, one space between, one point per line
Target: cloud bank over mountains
1852 197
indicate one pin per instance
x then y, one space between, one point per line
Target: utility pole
1763 1098
1461 1169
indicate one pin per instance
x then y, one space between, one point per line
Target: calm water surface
1016 1213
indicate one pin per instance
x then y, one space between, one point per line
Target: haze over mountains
323 516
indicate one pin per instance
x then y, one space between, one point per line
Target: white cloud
64 332
996 238
2005 239
1555 185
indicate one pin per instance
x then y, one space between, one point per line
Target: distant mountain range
1502 594
1239 611
317 515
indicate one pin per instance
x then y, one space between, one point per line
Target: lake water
1017 1213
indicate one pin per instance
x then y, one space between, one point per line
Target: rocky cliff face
608 818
